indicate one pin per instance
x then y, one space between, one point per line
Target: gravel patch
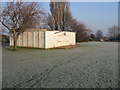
91 65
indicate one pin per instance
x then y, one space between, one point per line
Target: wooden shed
42 38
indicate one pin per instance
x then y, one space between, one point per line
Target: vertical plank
20 40
11 41
39 39
35 39
33 44
42 39
25 39
30 39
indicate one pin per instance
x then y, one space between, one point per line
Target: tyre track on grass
36 78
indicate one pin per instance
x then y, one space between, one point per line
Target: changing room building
42 38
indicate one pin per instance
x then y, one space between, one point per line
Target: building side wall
11 41
33 39
57 39
25 39
45 39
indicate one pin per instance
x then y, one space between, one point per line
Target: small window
64 34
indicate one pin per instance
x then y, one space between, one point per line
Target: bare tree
114 32
18 16
82 33
2 31
92 37
59 16
99 35
51 22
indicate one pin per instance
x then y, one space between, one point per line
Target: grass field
91 65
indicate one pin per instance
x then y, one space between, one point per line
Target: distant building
5 39
105 39
42 38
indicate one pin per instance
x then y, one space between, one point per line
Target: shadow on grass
11 48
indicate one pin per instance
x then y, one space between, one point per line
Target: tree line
60 18
113 34
17 17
